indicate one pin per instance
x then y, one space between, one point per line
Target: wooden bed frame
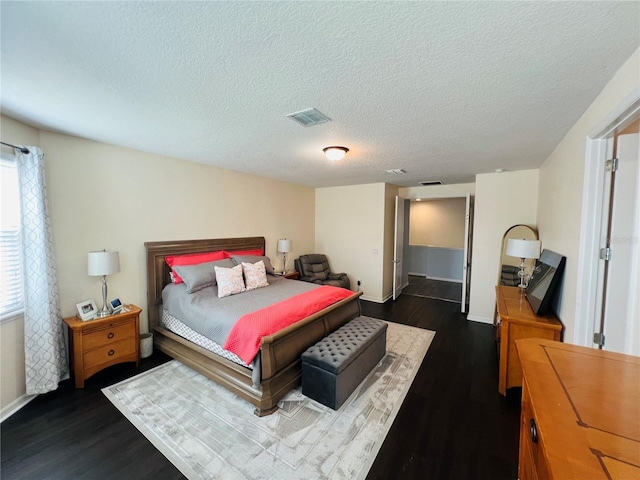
279 353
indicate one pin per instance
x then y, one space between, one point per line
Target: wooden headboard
158 270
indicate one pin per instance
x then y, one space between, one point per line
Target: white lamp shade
103 263
284 246
523 248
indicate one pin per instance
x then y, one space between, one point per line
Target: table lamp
103 263
523 249
284 247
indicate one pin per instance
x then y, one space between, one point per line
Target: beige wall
350 230
438 223
499 204
561 188
104 196
438 191
12 333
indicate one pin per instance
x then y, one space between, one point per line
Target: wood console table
580 412
517 320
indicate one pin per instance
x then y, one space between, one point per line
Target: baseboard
476 318
428 277
371 299
442 279
14 406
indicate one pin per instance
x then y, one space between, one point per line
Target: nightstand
292 275
100 343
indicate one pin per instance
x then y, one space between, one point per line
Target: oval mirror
509 266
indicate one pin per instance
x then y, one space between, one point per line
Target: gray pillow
197 277
252 259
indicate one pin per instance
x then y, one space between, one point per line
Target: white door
398 240
466 262
619 277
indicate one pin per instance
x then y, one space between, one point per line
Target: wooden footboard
279 353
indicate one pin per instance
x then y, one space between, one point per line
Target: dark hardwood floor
421 286
453 423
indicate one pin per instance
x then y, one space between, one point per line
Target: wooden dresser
100 343
517 320
580 412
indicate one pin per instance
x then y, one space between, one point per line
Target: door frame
592 216
398 247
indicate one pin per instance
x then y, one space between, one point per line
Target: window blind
11 280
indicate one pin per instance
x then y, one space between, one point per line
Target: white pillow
255 275
229 281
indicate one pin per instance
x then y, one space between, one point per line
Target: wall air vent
309 117
433 182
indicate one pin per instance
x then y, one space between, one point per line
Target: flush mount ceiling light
335 153
396 171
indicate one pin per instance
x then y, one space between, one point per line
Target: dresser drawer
107 336
109 353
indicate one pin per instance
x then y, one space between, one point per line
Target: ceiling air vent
309 117
433 182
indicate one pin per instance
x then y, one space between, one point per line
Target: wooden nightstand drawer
109 335
112 352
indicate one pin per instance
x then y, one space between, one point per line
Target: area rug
208 432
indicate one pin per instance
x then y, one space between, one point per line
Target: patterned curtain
44 346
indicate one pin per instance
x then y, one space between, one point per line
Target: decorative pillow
229 280
192 259
197 277
239 259
255 275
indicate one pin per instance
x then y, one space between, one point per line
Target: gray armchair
314 268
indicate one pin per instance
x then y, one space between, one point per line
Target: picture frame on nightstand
87 310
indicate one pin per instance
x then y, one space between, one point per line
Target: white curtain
44 346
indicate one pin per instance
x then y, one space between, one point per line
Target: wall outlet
359 282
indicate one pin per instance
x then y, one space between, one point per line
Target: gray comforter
214 317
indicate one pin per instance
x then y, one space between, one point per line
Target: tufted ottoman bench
335 366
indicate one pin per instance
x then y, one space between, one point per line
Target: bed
279 362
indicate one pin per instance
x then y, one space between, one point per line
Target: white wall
104 196
501 201
12 332
350 230
561 188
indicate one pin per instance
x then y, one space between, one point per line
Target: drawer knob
534 430
111 335
111 352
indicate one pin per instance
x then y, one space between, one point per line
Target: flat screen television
544 281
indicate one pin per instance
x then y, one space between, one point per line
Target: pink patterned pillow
255 275
229 281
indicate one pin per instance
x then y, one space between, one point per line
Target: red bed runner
245 336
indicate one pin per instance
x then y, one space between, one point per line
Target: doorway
436 254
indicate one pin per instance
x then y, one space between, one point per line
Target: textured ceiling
443 90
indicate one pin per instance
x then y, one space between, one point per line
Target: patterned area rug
208 432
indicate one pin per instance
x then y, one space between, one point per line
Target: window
11 282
